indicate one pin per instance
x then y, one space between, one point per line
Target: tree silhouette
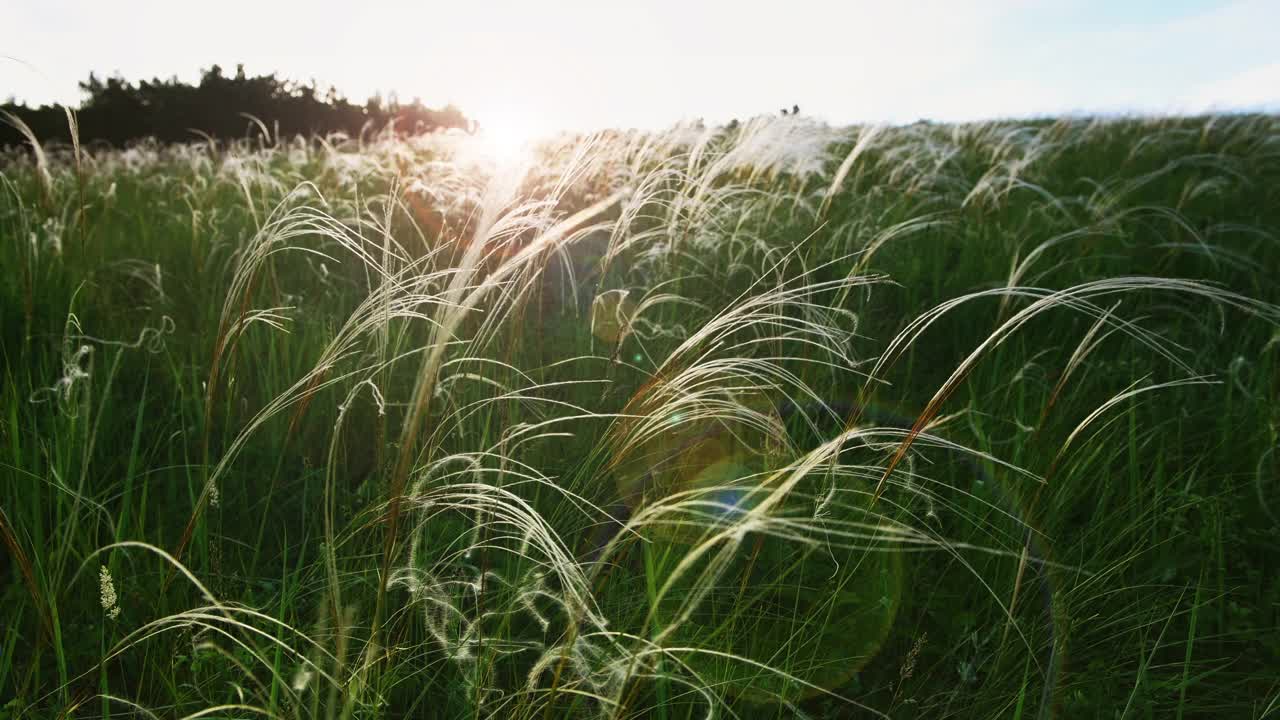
118 112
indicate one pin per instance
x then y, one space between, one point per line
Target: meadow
773 420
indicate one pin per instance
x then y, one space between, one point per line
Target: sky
538 66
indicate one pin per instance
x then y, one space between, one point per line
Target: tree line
117 112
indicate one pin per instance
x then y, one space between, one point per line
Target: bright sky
586 64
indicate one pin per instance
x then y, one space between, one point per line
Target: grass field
781 420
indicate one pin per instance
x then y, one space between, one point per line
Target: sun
508 139
504 140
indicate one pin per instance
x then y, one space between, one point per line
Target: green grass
928 421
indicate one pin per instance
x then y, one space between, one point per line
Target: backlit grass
779 421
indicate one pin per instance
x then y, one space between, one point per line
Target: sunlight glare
508 139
